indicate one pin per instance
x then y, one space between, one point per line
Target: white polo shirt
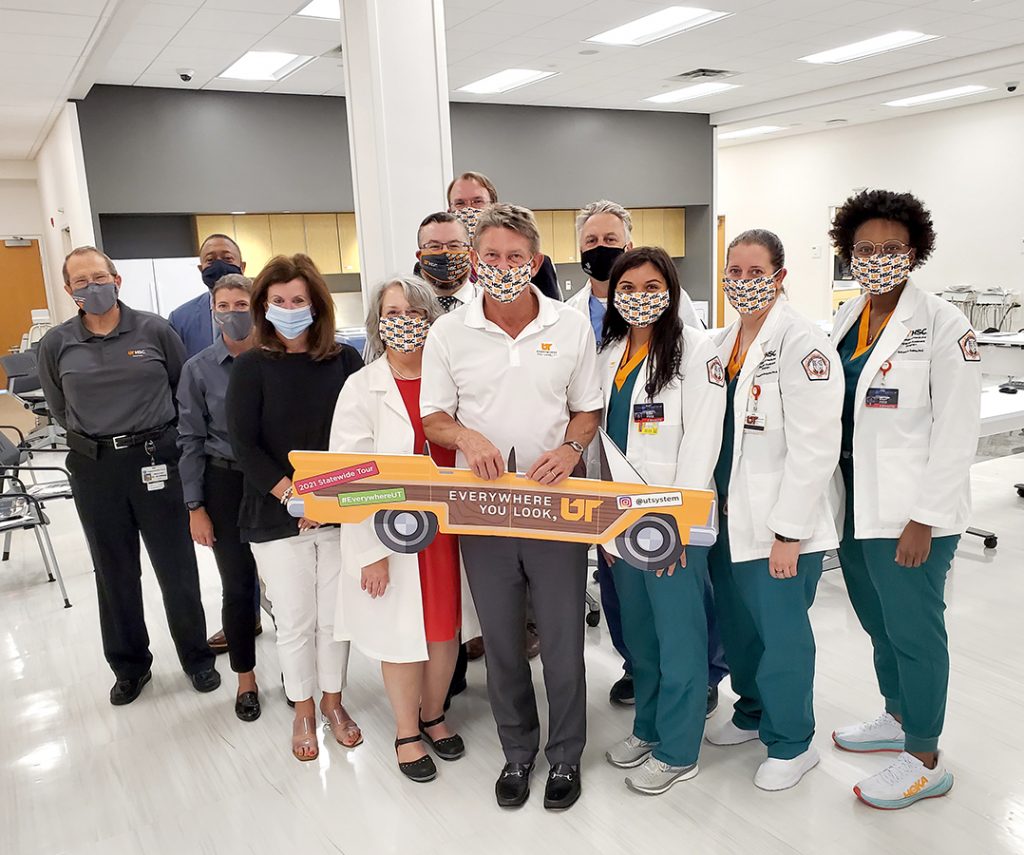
518 392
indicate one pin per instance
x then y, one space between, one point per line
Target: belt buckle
121 441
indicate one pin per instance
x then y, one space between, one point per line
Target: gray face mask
95 298
236 325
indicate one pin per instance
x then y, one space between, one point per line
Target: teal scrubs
901 608
766 632
665 630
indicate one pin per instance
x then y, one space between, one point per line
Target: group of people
474 357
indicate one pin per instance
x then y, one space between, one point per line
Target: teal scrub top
619 417
852 368
723 468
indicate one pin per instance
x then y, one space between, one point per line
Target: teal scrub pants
666 632
769 645
903 610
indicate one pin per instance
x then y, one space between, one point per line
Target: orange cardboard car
411 500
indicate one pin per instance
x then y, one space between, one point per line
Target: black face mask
445 270
597 261
218 268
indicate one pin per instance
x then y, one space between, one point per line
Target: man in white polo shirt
515 370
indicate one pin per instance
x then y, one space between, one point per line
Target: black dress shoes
247 706
712 701
563 787
447 747
205 681
513 785
421 771
622 694
125 691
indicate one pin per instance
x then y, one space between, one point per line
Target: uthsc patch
716 373
969 347
816 365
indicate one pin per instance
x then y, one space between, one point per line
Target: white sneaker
654 777
630 752
906 781
728 733
882 734
775 774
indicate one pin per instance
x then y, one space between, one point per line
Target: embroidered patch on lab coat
816 365
716 373
969 347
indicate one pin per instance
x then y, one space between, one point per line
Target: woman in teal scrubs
910 430
665 397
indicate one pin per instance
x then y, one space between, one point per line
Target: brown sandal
304 739
345 731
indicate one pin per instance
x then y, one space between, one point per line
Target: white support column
396 92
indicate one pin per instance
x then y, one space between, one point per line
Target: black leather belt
223 463
130 440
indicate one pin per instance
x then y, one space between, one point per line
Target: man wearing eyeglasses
443 257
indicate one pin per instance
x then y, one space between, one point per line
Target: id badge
651 412
154 477
754 422
880 398
648 428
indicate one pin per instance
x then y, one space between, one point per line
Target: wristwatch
575 446
193 506
783 539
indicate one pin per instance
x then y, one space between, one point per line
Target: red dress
440 576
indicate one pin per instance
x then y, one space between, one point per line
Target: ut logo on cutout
580 509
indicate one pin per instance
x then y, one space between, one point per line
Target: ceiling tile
223 20
52 45
164 15
46 24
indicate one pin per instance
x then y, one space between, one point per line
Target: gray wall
164 151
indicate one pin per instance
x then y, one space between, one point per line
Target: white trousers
301 574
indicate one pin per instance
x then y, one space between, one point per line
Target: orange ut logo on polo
580 509
916 787
545 346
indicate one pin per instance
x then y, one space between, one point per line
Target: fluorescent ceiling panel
264 65
688 93
750 132
869 47
933 97
660 25
330 9
505 81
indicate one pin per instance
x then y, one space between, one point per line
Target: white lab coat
781 476
687 314
370 416
913 462
684 450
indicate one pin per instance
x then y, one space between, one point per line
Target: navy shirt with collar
193 322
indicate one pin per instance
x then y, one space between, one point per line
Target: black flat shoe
712 701
247 706
448 747
205 681
621 694
125 691
563 787
513 785
421 771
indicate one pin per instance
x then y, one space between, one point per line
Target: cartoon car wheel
651 543
406 532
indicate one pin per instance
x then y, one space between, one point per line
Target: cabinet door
252 231
349 243
565 250
654 226
547 233
213 224
322 242
675 232
287 234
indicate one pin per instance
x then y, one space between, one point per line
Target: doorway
719 292
21 290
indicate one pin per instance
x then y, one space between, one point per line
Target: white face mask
748 296
881 273
641 308
402 333
504 285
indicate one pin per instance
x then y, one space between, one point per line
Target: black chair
22 370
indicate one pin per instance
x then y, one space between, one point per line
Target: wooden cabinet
565 250
322 241
349 243
675 232
287 234
252 232
214 224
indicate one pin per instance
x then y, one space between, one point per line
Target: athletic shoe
728 733
906 781
654 777
775 774
882 734
630 752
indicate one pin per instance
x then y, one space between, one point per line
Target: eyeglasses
451 246
866 249
409 313
98 278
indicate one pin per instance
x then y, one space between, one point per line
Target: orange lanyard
627 365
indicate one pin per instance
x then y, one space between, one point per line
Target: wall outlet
568 284
815 252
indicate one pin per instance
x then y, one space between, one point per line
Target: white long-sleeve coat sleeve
703 403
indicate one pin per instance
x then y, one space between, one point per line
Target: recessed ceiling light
869 47
505 81
750 132
660 25
330 9
932 97
688 93
264 65
237 213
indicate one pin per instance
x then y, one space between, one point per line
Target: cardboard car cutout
411 499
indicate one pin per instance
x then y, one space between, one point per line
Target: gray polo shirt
119 383
202 415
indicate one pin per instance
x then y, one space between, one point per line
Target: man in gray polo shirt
109 376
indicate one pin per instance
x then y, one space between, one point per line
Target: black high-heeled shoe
448 747
421 771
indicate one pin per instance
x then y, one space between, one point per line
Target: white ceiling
60 48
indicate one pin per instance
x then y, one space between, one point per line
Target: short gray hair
234 281
513 217
603 206
420 296
86 250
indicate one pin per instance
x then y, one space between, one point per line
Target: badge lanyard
753 420
882 397
153 476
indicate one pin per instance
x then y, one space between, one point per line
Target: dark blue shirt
193 322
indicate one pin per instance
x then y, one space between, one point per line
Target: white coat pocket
899 475
910 376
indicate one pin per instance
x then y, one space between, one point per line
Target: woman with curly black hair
910 430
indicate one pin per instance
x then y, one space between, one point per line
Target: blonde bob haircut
420 296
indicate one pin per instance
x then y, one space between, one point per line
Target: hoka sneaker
882 734
728 734
630 752
654 777
906 781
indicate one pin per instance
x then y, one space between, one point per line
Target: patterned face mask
504 285
402 333
641 308
748 296
468 217
881 273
